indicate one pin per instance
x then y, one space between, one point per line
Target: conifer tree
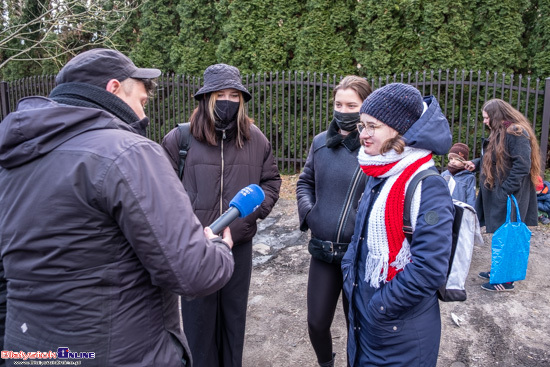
243 31
539 39
278 45
365 37
260 35
497 35
200 32
444 30
126 36
158 30
325 36
385 35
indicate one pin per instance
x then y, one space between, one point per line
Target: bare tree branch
63 27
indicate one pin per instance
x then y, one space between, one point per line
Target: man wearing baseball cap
98 236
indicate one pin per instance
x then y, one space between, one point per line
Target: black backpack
443 293
184 145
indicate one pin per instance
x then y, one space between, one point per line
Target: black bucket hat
222 76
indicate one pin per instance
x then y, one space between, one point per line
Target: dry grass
288 187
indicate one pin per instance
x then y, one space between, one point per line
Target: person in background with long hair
328 192
227 152
509 165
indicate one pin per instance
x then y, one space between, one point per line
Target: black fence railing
291 107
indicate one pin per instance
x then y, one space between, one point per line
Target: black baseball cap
100 65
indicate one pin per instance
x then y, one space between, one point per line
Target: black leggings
323 289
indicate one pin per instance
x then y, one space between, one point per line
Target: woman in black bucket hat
226 152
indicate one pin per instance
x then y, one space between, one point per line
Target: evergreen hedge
364 37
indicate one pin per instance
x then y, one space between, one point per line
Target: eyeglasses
369 129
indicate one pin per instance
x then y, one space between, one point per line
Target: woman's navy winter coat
398 324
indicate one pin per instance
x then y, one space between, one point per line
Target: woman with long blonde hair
509 165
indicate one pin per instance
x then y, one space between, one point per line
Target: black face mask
226 111
140 126
346 121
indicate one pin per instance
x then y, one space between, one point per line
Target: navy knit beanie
397 105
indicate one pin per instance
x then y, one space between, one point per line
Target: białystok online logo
65 353
62 353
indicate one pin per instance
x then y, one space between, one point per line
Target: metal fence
291 107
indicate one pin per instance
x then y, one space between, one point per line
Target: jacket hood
40 125
431 131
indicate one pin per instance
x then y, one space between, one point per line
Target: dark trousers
323 289
215 324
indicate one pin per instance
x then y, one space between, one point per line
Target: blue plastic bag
510 249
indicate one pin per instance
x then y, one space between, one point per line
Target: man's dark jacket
97 238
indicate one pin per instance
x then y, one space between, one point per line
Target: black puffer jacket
214 174
323 189
97 238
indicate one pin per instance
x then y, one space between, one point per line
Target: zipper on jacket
347 205
221 179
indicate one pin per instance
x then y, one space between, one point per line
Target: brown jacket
214 174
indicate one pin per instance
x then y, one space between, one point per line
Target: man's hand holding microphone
244 203
226 235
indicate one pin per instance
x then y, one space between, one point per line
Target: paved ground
496 329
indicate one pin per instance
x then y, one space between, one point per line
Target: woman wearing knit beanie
390 283
328 193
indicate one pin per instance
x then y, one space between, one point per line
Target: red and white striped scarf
389 250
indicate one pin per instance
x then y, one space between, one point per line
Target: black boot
329 363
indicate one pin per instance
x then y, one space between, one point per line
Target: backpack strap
184 143
407 226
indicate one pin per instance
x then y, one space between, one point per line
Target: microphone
247 200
